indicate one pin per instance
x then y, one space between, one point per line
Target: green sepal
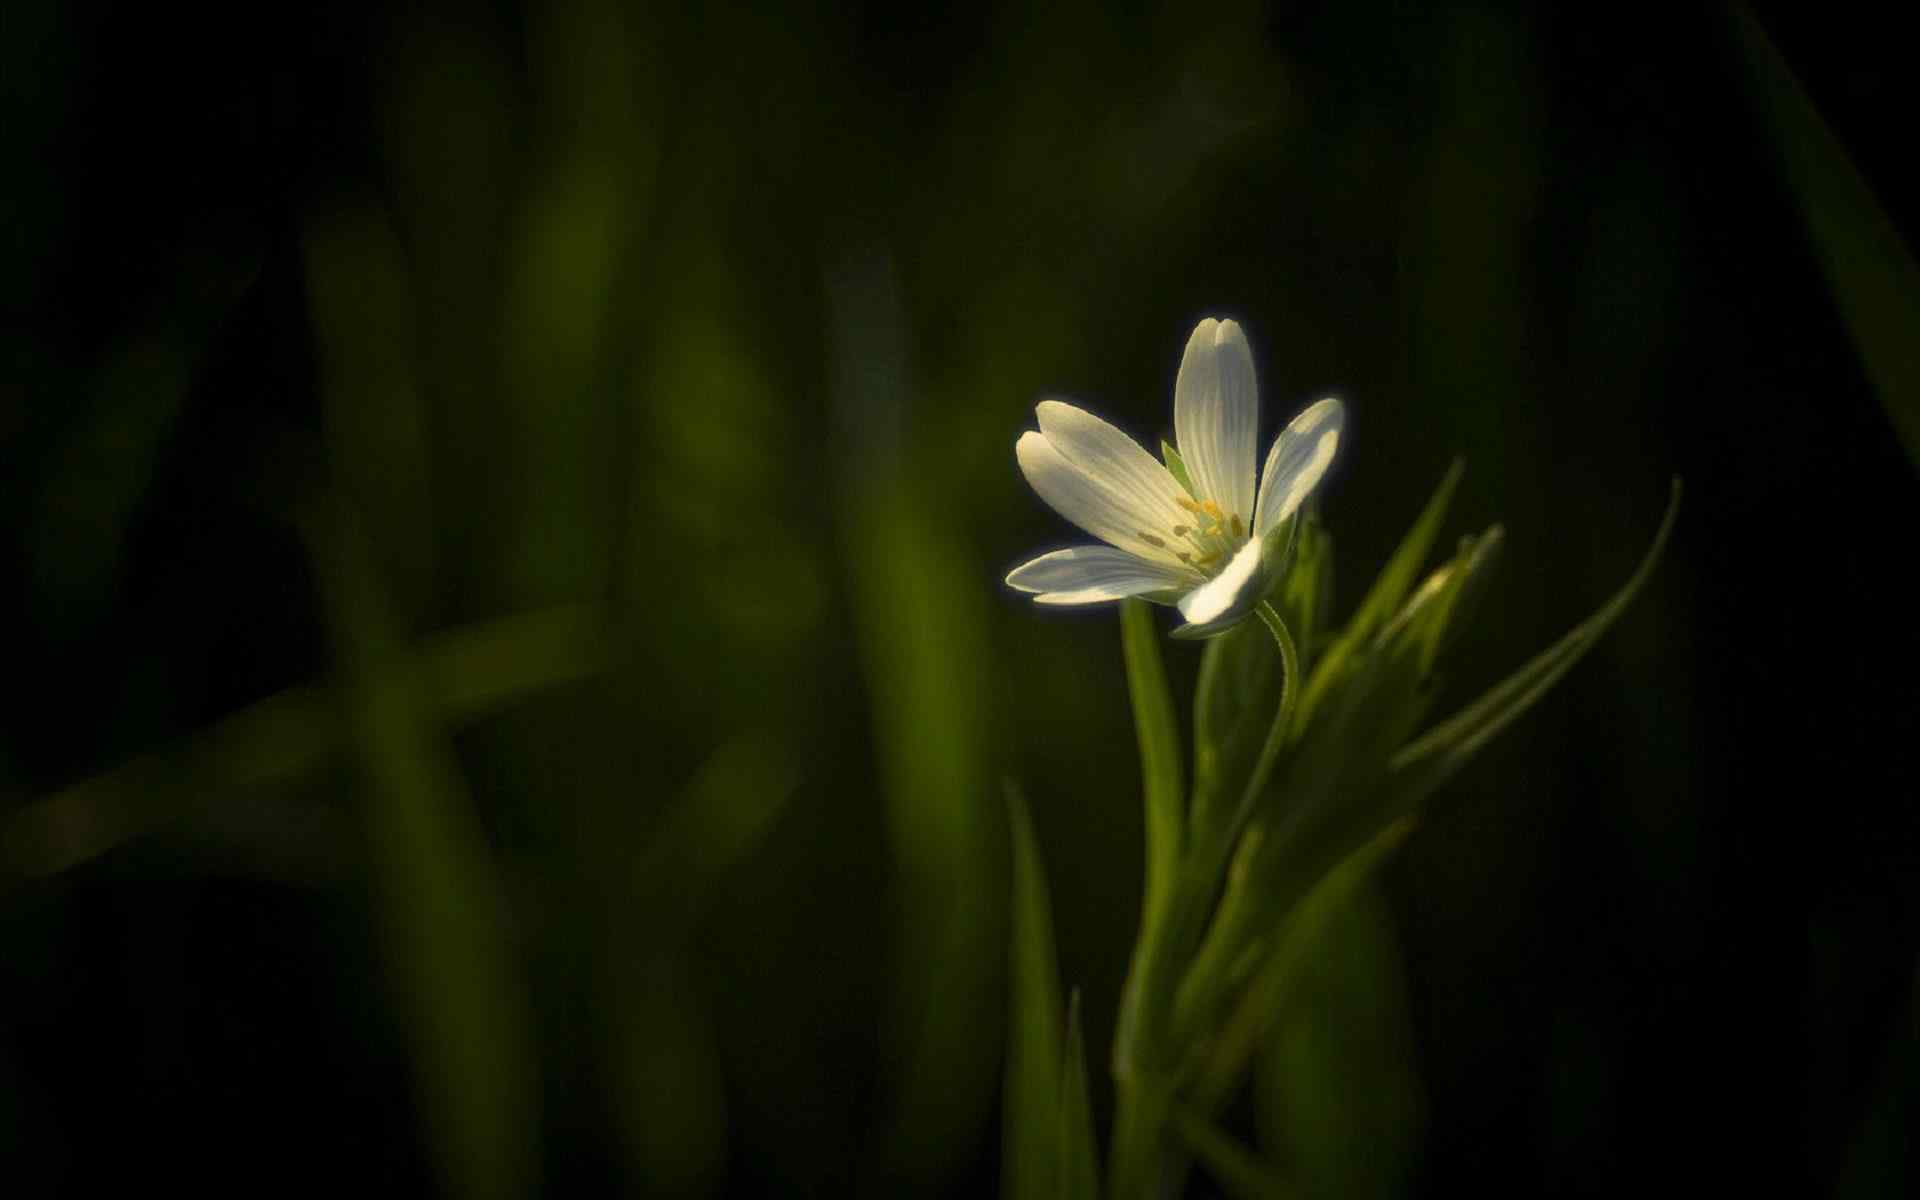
1176 466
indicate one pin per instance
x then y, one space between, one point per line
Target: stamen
1212 510
1206 558
1187 504
1180 531
1239 530
1150 540
1184 557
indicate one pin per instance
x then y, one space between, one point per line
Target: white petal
1232 593
1216 415
1090 574
1116 460
1095 506
1297 461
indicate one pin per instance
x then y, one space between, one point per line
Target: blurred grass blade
1868 266
919 604
1079 1151
1336 1094
1425 763
465 673
444 918
1240 1174
1031 1155
1159 738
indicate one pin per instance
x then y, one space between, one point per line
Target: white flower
1199 548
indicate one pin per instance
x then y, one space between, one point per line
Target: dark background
329 330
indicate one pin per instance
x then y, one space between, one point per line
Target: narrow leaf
1159 739
1431 759
1384 598
1395 580
1079 1152
1031 1157
1869 267
1284 966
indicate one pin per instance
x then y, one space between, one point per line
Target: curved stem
1282 728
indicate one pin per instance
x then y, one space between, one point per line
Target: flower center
1212 538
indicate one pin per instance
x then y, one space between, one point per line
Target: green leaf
1325 802
1423 627
1240 1174
1159 740
1282 968
1868 266
1176 465
1031 1154
1336 1096
1385 597
1078 1149
1430 760
1395 580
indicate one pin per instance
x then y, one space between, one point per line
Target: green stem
1145 1065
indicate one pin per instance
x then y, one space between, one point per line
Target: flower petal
1231 594
1094 505
1297 461
1090 574
1216 415
1112 458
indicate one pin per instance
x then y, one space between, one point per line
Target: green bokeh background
508 681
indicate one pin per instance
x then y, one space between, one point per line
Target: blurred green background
507 679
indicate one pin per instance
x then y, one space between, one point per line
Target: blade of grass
465 674
1031 1155
1869 267
1078 1149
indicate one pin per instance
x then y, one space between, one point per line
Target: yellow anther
1206 558
1212 510
1187 504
